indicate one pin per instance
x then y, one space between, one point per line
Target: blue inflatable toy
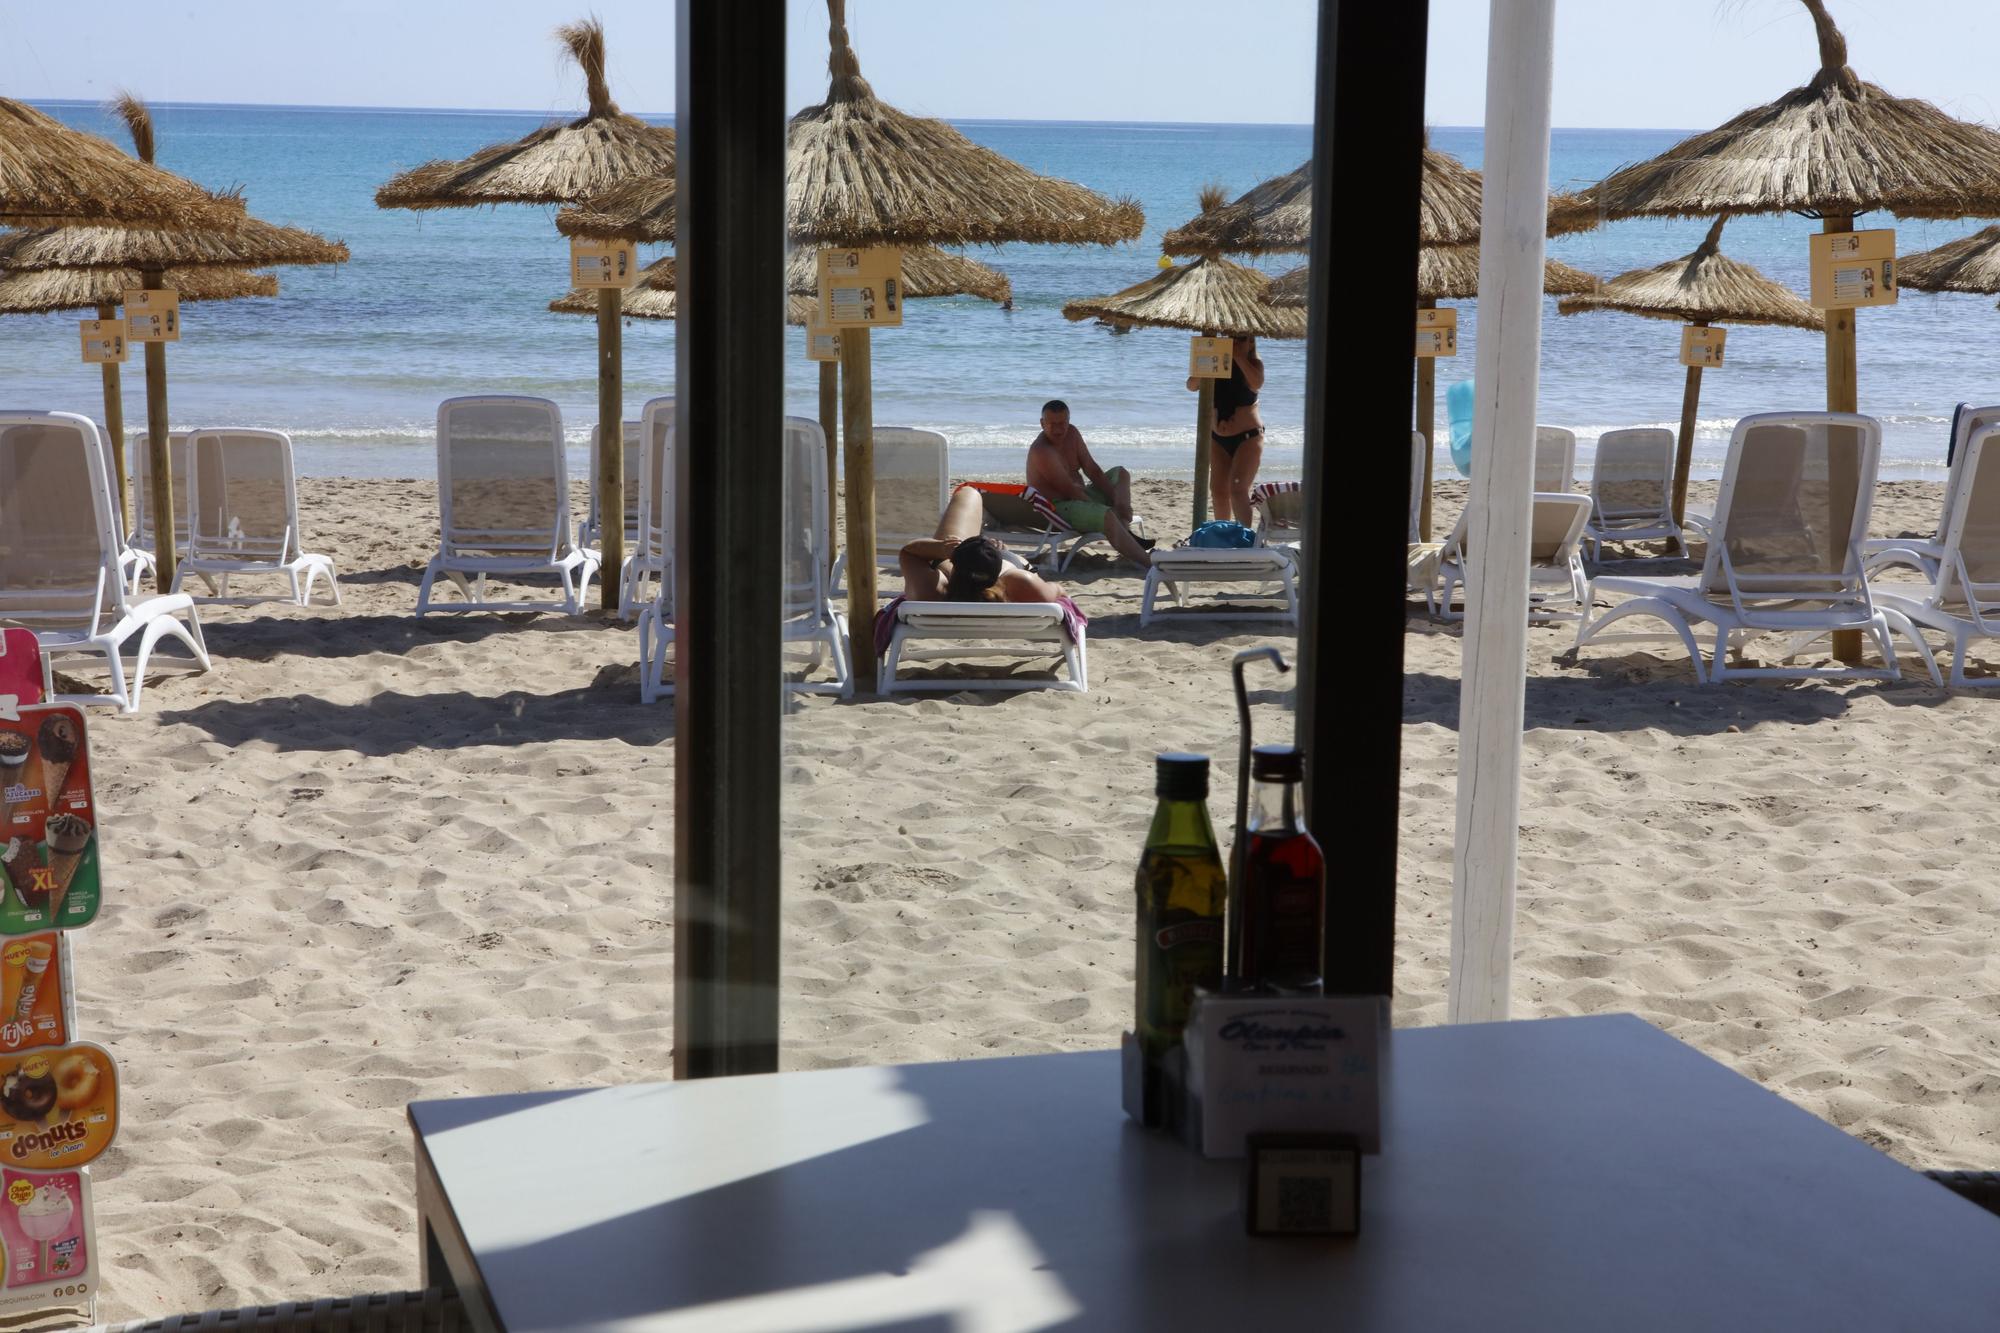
1458 410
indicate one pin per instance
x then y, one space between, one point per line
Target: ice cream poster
31 992
58 1107
46 1232
48 822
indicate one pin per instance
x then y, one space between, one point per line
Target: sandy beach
369 860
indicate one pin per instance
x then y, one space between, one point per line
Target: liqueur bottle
1283 893
1182 888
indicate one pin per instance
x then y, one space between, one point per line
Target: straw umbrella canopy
1444 273
1969 264
1276 217
50 291
563 163
1832 148
1702 288
1209 296
860 173
51 174
233 242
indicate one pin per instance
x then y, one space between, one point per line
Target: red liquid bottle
1283 894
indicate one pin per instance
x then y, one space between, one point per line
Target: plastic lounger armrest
1980 1187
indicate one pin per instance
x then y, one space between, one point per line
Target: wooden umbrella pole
1427 425
1842 395
158 461
857 419
1204 426
114 420
610 444
1684 449
829 424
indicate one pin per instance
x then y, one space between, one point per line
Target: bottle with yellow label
1182 888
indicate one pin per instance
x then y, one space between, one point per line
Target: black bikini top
1233 393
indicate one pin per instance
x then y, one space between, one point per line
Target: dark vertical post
1368 137
727 507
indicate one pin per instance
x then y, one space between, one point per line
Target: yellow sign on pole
1853 268
822 341
153 317
1701 346
103 340
861 288
602 263
1209 359
1437 332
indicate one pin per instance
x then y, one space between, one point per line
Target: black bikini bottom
1229 443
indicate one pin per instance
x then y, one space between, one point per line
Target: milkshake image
47 1217
67 835
13 770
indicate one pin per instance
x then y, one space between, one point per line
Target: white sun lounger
134 563
1962 599
1420 558
912 487
1279 508
503 504
591 529
810 618
1558 589
139 471
648 574
1783 554
59 571
1632 489
1555 460
1009 630
243 503
1272 569
1922 555
1026 523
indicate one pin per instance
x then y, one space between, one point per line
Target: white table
1588 1173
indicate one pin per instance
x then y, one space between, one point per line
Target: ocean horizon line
667 117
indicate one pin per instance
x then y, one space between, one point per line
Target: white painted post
1520 56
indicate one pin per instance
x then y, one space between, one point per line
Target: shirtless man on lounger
1089 498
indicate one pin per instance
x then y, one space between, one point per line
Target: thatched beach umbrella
52 175
1969 264
1831 149
860 173
1210 296
235 243
1703 288
1444 273
563 163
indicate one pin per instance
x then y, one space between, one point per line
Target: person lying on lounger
959 565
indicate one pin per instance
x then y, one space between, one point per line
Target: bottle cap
1181 777
1278 763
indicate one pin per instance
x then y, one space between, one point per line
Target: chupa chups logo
1281 1030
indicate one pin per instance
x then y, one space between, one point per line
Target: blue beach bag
1221 534
1458 411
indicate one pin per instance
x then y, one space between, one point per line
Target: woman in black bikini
1237 445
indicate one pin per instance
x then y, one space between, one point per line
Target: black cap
1181 777
1278 763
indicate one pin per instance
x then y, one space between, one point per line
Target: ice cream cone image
58 741
21 861
14 749
68 836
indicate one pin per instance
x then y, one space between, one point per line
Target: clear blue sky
1636 63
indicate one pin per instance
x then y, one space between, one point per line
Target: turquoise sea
353 360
